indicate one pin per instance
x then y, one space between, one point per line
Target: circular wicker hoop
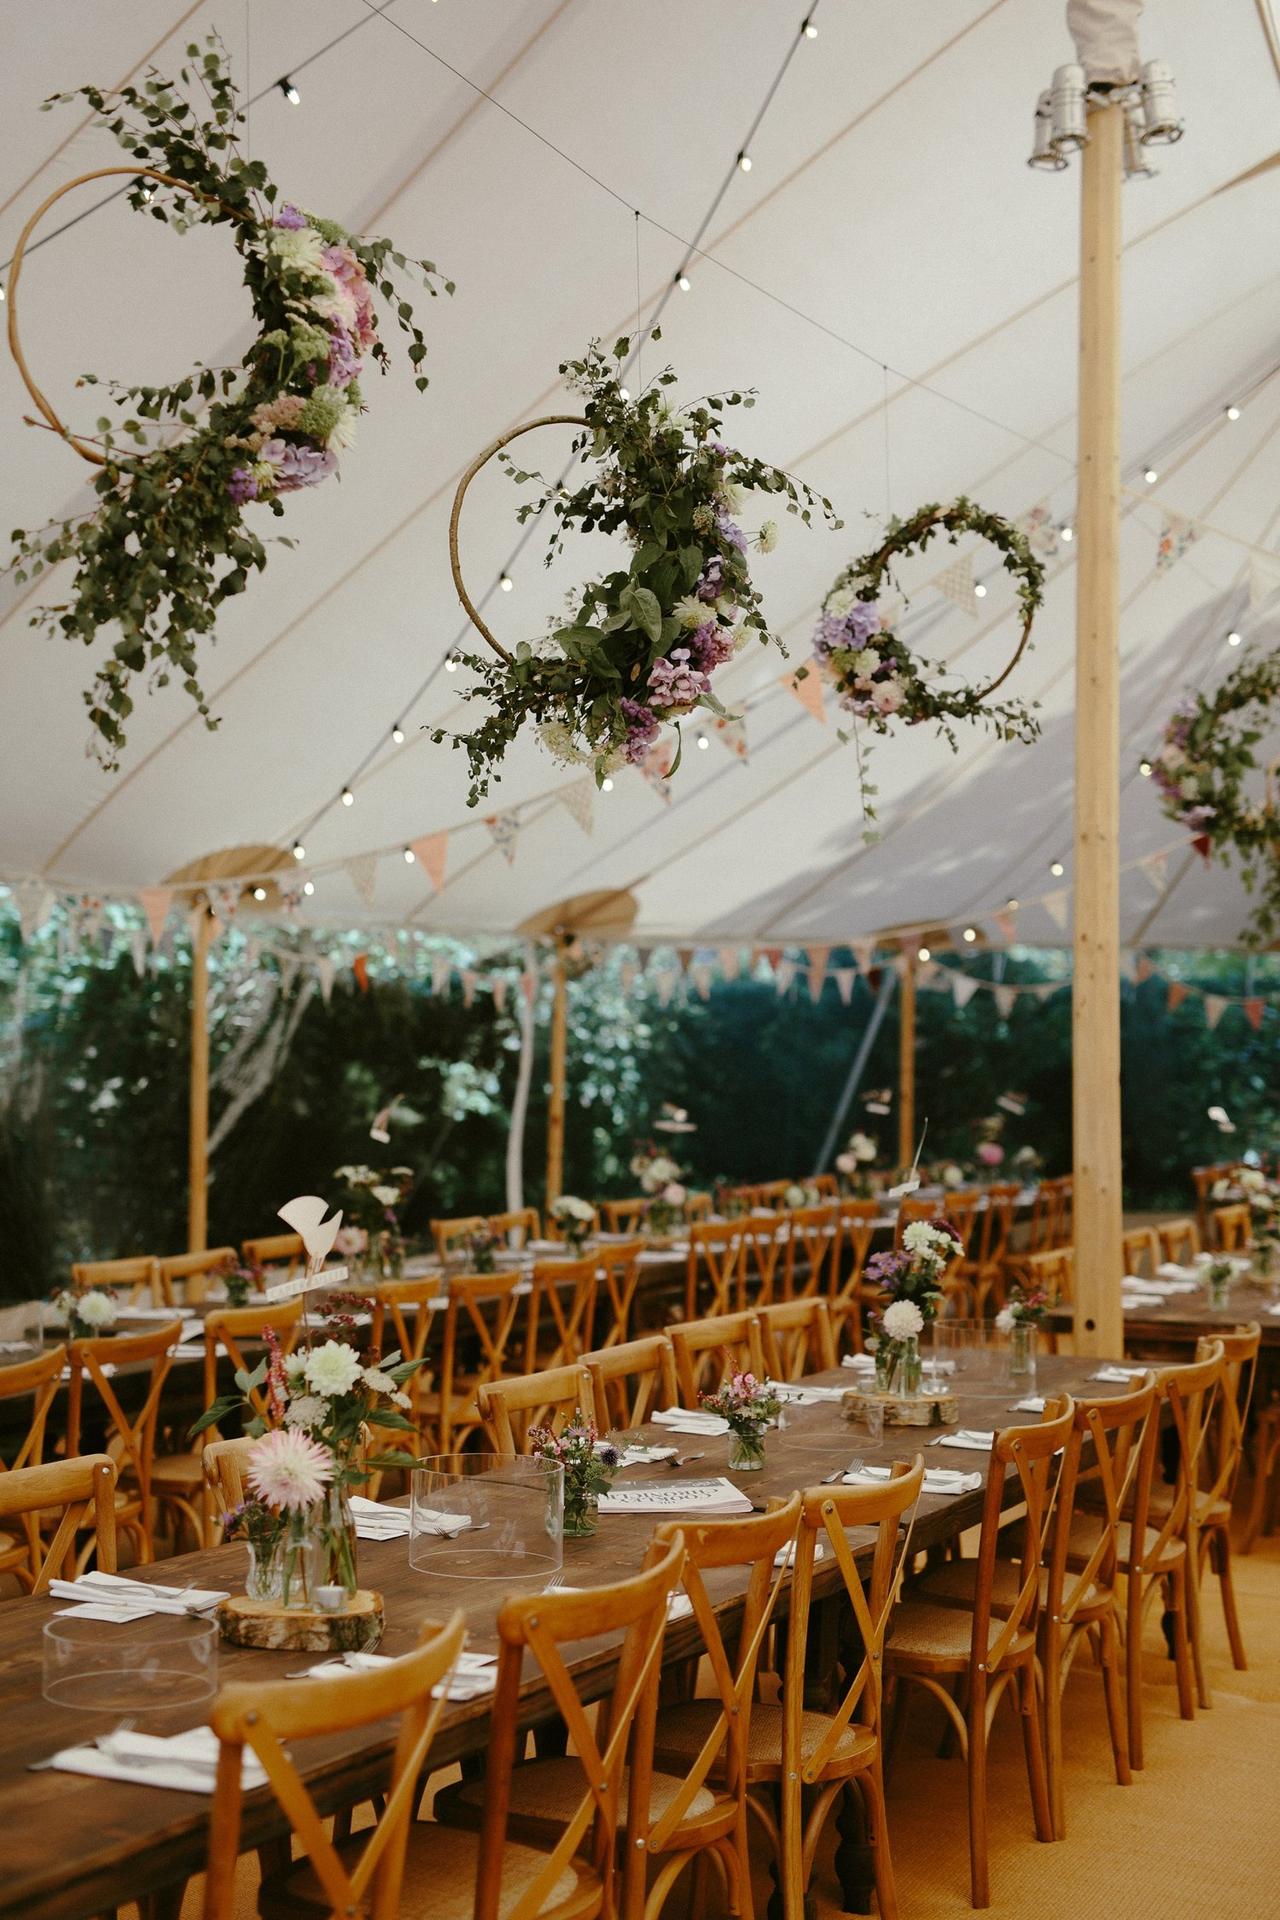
85 451
907 536
496 446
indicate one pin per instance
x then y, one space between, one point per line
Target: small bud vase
581 1512
746 1450
910 1367
1022 1352
1219 1293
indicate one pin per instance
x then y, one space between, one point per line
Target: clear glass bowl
488 1516
133 1666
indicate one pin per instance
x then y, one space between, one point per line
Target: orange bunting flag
431 852
154 902
1253 1012
1142 968
1177 994
806 685
360 968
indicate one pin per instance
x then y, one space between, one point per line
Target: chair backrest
1179 1241
1052 1271
1141 1251
764 1241
517 1227
770 1193
624 1216
827 1516
138 1274
226 1465
561 1312
1204 1180
1231 1227
39 1378
274 1250
542 1624
133 1434
268 1717
224 1330
911 1209
825 1184
447 1233
797 1337
194 1270
403 1314
618 1265
855 1230
1062 1210
809 1268
711 1545
959 1209
490 1312
510 1407
1230 1412
1190 1393
1121 1433
1037 1455
715 1258
84 1488
630 1380
702 1348
696 1206
995 1224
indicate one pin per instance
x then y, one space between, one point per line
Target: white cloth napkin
644 1456
936 1479
785 1556
1163 1289
108 1367
860 1362
474 1673
110 1593
1117 1376
376 1522
1034 1403
186 1762
803 1393
1170 1270
679 1606
679 1496
652 1255
690 1420
968 1439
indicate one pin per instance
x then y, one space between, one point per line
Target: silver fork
683 1460
101 1741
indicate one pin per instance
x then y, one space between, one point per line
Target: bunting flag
1156 868
1042 530
806 685
324 974
34 902
963 989
818 957
431 853
138 943
1142 968
1264 578
468 986
1214 1008
655 767
505 831
729 963
955 583
1057 906
579 799
1004 997
684 955
666 979
1177 994
700 974
499 992
844 978
783 974
774 956
441 972
224 898
360 968
1253 1012
1045 991
1007 922
362 871
730 729
863 952
1176 534
154 902
529 986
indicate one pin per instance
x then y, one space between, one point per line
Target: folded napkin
677 1496
936 1479
785 1556
652 1255
803 1393
1163 1289
690 1420
1034 1403
679 1606
968 1439
376 1522
14 1346
190 1351
1117 1376
1170 1270
1275 1308
110 1594
108 1367
644 1456
860 1362
472 1675
186 1762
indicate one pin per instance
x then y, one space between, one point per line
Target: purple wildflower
730 531
298 466
290 217
642 728
710 645
241 486
344 361
674 682
862 622
712 582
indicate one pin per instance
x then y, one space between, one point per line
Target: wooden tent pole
907 1059
555 1104
1095 1008
198 1130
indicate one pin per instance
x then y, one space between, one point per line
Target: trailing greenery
643 640
168 540
1203 772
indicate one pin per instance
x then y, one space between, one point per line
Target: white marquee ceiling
889 209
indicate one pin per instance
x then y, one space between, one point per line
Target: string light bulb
1068 532
409 856
1144 768
450 663
397 734
1011 906
2 293
299 851
809 30
506 583
308 887
971 934
1150 475
703 742
744 163
1233 638
924 953
1057 869
683 282
979 591
289 91
1233 412
348 798
606 785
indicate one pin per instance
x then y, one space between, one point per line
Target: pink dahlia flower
289 1469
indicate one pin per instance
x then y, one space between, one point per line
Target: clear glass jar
1022 1352
746 1449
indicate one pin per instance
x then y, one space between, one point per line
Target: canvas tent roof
888 218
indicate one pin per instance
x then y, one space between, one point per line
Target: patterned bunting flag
505 830
362 871
431 852
863 952
806 685
955 583
155 902
579 799
1176 534
818 957
1156 869
468 986
700 974
844 978
1214 1008
730 729
360 968
655 768
499 984
729 962
1005 997
962 989
324 974
783 974
1253 1012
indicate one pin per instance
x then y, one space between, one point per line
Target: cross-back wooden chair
1231 1227
226 1469
713 1267
448 1234
562 1312
275 1250
138 1274
1141 1252
404 1313
368 1874
987 1654
732 1200
825 1184
618 1266
855 1229
1053 1273
630 1381
703 1349
1204 1180
625 1216
191 1272
517 1227
808 1264
1179 1241
39 1379
583 1808
1063 1224
131 1438
1193 1394
1041 1230
985 1263
486 1335
84 1488
771 1193
178 1480
797 1337
764 1241
697 1206
509 1408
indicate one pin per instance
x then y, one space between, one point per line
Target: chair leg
1033 1747
1221 1553
979 1875
1195 1628
1115 1706
1051 1667
791 1845
886 1887
1133 1667
1181 1645
1258 1492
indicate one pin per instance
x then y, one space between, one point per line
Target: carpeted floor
1195 1834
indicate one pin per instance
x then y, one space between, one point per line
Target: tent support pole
1095 1008
555 1107
857 1069
198 1126
907 1060
520 1099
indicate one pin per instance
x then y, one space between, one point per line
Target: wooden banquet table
1170 1325
75 1845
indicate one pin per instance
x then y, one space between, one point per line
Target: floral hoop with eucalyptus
167 542
875 675
640 643
1202 770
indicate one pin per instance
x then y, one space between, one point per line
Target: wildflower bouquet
748 1404
90 1315
659 1177
239 1280
855 1163
481 1249
371 1202
575 1219
589 1466
1022 1309
914 1272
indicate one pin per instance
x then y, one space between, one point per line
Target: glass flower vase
299 1561
1219 1292
264 1580
746 1450
910 1366
336 1530
1022 1352
886 1366
581 1512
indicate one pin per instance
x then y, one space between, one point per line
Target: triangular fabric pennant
499 991
360 968
1253 1012
963 988
431 852
1214 1008
700 974
362 870
1005 997
138 942
1008 925
806 685
579 799
1176 995
774 956
288 964
844 978
1176 534
1057 906
818 957
155 902
666 980
655 767
955 583
863 952
1203 846
529 987
324 974
783 974
729 963
441 972
685 956
1046 990
35 902
468 987
730 729
1142 968
505 830
1156 869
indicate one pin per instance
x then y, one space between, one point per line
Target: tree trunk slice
260 1623
905 1409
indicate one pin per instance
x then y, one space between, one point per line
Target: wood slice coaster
905 1409
261 1623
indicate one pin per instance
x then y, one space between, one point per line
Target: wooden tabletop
1181 1318
74 1845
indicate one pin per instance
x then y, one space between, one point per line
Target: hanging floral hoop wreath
641 643
1201 771
167 542
875 675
